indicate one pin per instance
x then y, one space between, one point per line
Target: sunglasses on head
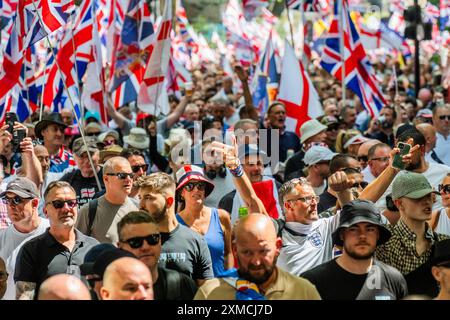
16 200
137 242
444 188
121 175
136 168
191 185
59 204
444 117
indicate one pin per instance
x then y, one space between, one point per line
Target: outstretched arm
249 108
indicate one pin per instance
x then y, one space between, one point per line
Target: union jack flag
359 74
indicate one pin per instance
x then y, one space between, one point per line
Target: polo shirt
43 257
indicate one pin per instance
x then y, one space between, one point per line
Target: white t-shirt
320 189
367 174
442 147
11 241
314 247
434 174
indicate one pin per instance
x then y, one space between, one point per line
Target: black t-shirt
85 188
295 164
173 285
186 251
326 201
383 282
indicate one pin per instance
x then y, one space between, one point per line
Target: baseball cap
23 187
329 121
106 258
411 185
316 154
79 147
358 211
310 128
251 149
358 139
91 256
425 113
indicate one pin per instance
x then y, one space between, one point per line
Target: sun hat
189 173
137 138
310 128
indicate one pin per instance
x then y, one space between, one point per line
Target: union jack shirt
61 161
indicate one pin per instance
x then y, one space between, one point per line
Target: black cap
92 255
441 254
106 258
358 211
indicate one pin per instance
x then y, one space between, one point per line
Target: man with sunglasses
83 179
378 160
60 249
138 166
139 234
441 121
22 201
99 217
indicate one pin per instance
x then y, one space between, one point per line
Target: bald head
425 95
113 162
127 279
363 151
63 287
257 226
429 132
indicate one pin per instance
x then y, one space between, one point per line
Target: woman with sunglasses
440 220
214 224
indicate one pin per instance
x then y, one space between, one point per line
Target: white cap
316 154
358 139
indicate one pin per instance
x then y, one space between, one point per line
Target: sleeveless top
443 225
215 240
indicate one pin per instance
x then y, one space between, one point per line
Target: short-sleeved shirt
104 227
383 282
43 257
186 251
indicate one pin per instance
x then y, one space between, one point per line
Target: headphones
212 174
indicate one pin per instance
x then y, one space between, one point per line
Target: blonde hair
158 181
343 137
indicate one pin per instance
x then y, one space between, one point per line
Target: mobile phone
10 118
18 136
398 158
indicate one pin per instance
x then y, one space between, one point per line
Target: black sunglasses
59 204
445 188
191 185
362 184
363 158
444 117
122 175
350 170
136 168
137 242
15 200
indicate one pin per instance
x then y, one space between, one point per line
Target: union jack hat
189 173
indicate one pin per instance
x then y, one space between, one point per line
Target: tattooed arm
25 290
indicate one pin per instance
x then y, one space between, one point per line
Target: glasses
350 170
136 168
14 201
382 159
444 188
362 158
121 175
444 117
137 242
307 200
361 184
59 204
191 185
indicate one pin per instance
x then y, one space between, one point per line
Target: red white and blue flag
359 74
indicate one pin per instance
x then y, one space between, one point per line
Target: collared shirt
285 287
43 257
400 251
61 161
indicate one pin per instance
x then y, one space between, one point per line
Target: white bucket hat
137 138
310 128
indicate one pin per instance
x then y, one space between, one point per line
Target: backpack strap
92 212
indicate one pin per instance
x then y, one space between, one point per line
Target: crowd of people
218 201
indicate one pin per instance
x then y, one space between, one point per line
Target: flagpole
83 137
290 24
342 45
43 87
76 67
303 22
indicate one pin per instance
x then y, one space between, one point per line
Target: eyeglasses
14 201
350 170
307 200
361 184
59 204
137 242
136 168
382 159
362 158
444 117
121 175
191 185
444 188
